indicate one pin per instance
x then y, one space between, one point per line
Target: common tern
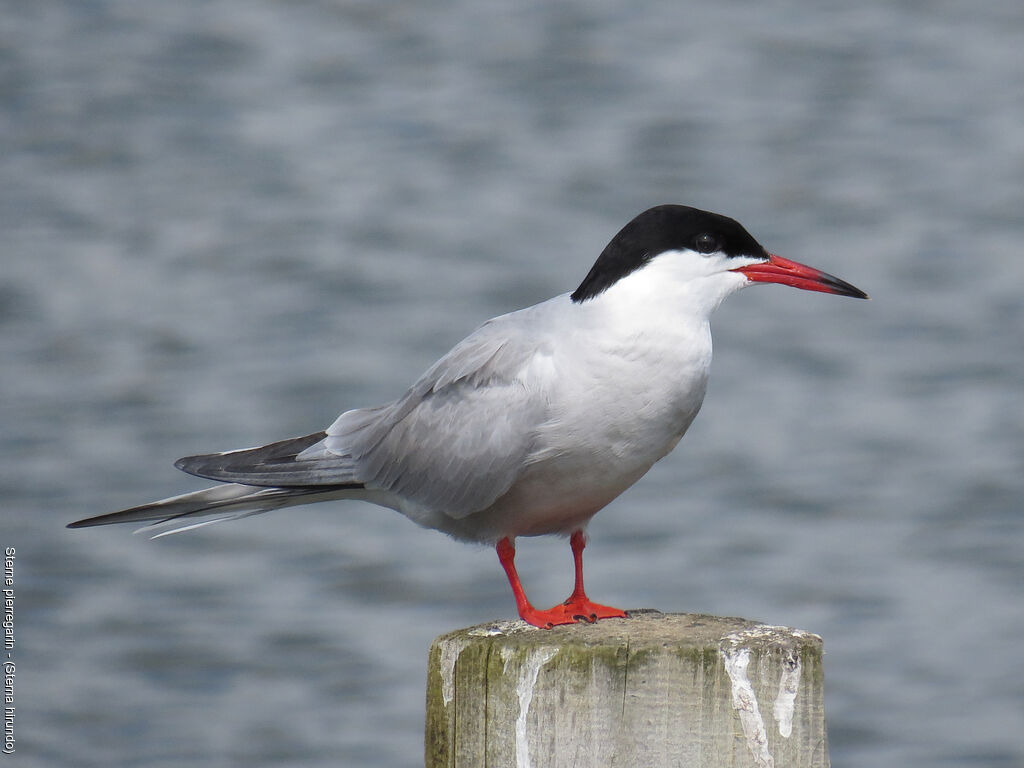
532 423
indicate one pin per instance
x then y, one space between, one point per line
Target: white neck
675 287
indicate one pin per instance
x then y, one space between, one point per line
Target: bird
535 421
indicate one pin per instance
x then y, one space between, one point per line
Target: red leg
507 557
579 605
529 614
578 542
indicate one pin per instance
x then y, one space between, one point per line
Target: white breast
616 379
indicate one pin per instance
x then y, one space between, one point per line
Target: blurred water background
224 222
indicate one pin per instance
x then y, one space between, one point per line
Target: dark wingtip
230 465
91 522
185 462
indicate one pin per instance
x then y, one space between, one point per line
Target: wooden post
651 690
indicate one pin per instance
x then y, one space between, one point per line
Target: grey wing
459 438
455 442
274 465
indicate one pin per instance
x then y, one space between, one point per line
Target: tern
536 420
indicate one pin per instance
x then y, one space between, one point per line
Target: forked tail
213 505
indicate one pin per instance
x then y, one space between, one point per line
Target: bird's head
704 252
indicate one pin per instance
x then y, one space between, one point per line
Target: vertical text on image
8 658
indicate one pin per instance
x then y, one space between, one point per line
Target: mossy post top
650 689
683 630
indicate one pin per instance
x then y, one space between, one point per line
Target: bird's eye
705 242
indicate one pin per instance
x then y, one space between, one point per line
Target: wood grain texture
651 690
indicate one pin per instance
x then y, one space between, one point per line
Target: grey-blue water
225 222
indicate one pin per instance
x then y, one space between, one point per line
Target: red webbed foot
577 608
582 609
569 612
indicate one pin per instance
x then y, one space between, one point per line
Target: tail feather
161 528
212 505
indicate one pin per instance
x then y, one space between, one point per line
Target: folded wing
455 442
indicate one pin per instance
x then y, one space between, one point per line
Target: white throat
679 284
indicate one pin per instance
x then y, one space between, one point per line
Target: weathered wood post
651 690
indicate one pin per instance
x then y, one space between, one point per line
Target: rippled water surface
224 222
